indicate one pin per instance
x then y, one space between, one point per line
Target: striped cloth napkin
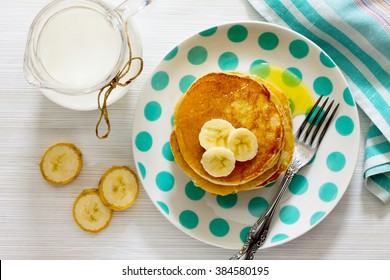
356 35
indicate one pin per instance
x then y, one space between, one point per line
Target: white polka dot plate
225 221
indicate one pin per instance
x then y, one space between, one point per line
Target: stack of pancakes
244 101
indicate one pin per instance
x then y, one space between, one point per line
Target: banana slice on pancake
218 161
215 133
243 143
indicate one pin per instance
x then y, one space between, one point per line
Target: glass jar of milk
76 47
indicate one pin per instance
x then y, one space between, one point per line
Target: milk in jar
78 47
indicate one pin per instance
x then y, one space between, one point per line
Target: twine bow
116 81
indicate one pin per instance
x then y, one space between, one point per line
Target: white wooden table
35 218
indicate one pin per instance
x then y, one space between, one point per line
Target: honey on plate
288 80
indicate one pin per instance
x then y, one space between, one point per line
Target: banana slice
214 133
90 213
119 187
243 143
61 163
218 161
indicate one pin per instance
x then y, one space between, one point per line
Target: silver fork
306 143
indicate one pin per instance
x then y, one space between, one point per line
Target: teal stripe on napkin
383 180
379 186
356 35
377 149
373 131
377 164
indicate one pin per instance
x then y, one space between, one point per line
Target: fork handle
259 231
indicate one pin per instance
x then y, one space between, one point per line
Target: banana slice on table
214 133
218 161
119 187
90 213
61 163
243 143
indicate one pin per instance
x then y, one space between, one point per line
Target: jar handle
129 8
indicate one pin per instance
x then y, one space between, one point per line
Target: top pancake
243 102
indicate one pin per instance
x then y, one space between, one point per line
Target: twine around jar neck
105 91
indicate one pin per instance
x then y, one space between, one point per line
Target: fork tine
302 127
316 116
313 122
321 121
327 124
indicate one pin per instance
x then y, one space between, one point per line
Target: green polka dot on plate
244 233
292 77
298 185
172 120
289 214
152 111
237 33
167 152
316 217
193 192
299 48
142 170
171 55
335 161
348 97
257 206
197 55
186 82
328 192
219 227
268 41
323 85
317 111
228 61
292 105
344 125
312 159
227 201
189 219
208 32
160 80
270 185
326 61
278 237
165 181
260 68
296 72
163 206
143 141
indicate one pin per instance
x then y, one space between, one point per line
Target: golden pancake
242 101
270 175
